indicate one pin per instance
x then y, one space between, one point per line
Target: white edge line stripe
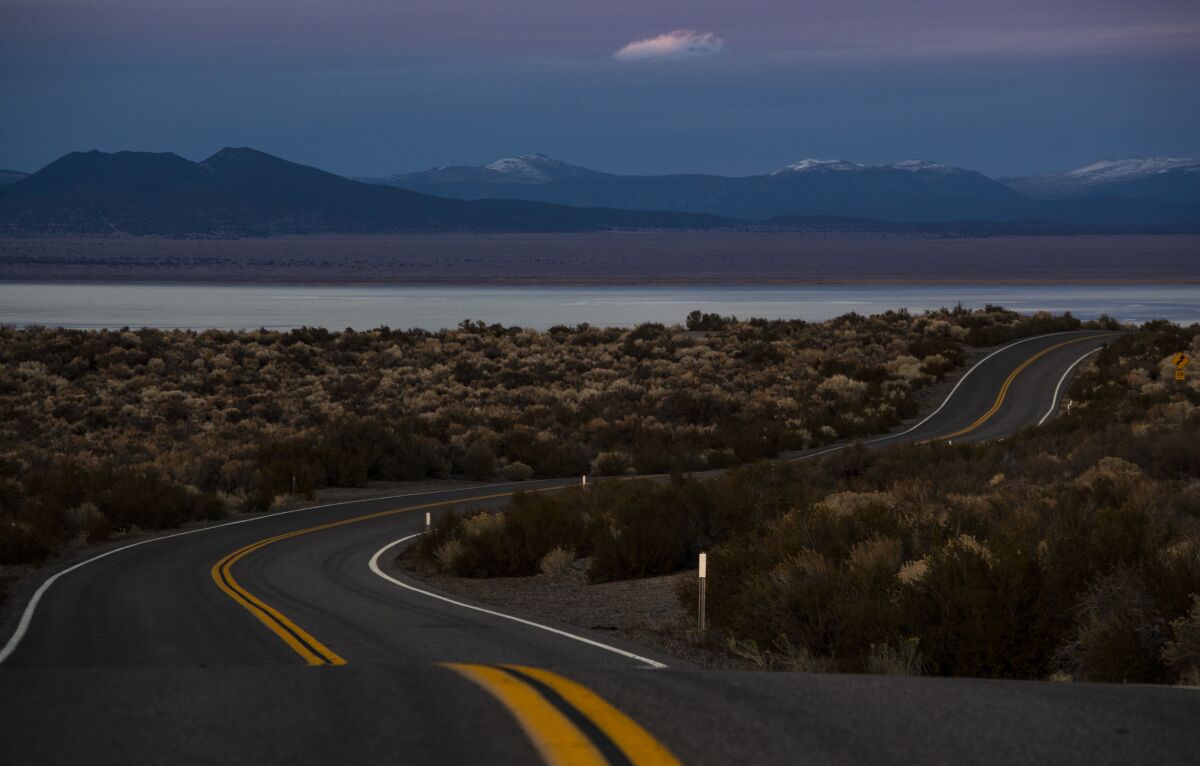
27 615
374 564
1054 402
945 401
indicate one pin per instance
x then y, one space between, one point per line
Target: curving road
290 638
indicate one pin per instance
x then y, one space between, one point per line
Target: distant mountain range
906 191
11 176
243 192
902 192
1164 178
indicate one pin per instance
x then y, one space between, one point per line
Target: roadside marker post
583 483
703 582
428 520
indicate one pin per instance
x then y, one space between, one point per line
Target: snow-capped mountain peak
1174 179
814 164
1135 167
524 170
525 167
916 165
912 166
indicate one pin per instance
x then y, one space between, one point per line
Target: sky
373 87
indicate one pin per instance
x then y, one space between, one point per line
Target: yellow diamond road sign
1180 360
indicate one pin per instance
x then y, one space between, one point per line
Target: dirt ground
645 611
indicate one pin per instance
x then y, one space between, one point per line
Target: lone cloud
682 43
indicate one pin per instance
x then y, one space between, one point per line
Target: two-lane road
292 638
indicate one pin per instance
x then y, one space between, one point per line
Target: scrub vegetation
1069 551
104 432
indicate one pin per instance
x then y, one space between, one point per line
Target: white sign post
703 581
428 521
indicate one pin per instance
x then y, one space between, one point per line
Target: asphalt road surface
291 638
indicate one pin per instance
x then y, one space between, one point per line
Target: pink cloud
681 43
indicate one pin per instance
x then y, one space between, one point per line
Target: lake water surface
434 307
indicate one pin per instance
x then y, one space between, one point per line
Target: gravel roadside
646 611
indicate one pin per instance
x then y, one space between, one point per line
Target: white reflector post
704 565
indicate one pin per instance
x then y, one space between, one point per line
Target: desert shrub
482 523
149 501
479 461
445 530
643 547
354 450
568 458
1118 635
699 320
902 659
515 542
984 331
1182 652
21 543
543 522
89 520
488 551
780 654
611 464
279 465
718 458
642 529
448 554
972 608
556 561
517 471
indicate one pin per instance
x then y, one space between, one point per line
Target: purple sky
368 87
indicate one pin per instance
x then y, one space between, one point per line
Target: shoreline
94 305
682 283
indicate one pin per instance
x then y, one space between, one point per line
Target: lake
434 307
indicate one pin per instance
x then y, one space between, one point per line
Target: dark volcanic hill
239 192
902 192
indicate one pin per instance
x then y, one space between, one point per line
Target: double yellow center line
312 650
1005 386
569 724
